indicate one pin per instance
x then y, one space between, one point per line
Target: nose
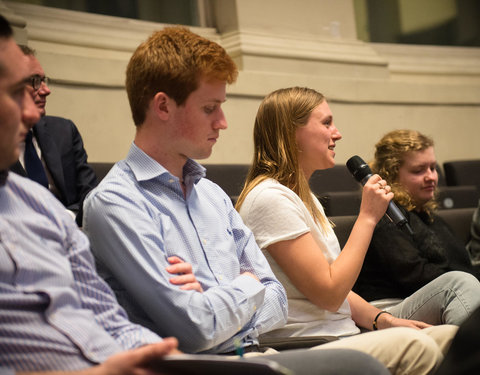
431 174
44 90
30 113
221 121
336 133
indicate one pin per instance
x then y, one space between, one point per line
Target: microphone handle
393 212
396 216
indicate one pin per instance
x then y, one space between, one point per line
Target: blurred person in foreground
56 313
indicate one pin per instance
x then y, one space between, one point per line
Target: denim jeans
449 299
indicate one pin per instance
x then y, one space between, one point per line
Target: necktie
33 164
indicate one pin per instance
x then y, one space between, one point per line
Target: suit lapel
50 154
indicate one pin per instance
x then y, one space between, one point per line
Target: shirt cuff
253 289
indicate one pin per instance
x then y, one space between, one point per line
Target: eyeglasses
36 81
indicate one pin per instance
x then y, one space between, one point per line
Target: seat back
230 177
458 196
333 179
462 172
341 203
101 169
459 220
343 227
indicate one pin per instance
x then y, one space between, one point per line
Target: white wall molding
372 88
434 63
89 30
303 48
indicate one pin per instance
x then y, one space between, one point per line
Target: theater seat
101 169
333 179
230 177
458 196
340 203
462 172
343 227
458 219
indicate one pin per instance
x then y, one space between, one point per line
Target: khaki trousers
402 350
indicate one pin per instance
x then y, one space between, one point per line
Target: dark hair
27 51
5 28
6 32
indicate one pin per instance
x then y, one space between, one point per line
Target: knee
419 352
356 362
456 279
443 335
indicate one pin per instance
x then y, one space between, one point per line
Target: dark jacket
66 160
398 264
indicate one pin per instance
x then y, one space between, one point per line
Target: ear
161 105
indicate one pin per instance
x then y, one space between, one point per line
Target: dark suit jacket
66 160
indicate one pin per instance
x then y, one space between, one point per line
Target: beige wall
372 88
420 15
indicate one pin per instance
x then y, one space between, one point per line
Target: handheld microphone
362 172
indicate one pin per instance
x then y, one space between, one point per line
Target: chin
424 201
202 155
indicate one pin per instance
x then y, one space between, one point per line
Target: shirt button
254 308
171 180
204 241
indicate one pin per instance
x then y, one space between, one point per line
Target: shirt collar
193 172
145 168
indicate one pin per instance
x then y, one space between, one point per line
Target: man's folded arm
133 252
273 312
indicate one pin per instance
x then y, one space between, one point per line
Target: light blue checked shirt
56 313
138 216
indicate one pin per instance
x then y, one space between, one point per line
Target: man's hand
140 361
136 361
185 276
246 273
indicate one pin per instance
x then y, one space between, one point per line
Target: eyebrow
420 165
322 118
217 100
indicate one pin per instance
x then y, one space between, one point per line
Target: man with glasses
53 154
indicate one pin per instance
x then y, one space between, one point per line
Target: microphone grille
358 168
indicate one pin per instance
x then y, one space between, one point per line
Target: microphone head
358 168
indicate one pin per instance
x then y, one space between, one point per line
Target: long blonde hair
280 114
390 153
